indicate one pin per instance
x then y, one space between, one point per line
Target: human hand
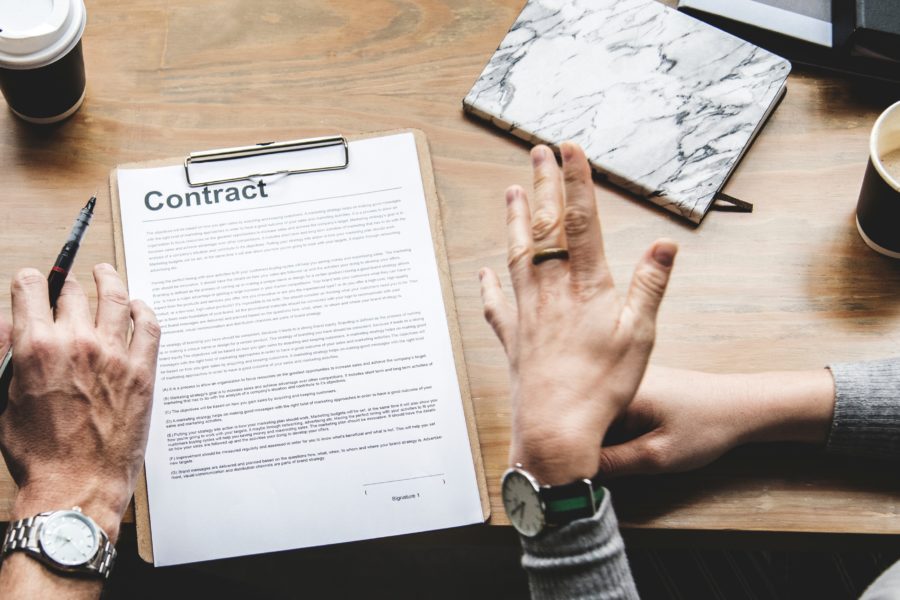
576 351
75 429
682 420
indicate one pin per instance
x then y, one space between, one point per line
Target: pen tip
90 204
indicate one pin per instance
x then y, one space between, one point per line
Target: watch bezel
66 514
519 472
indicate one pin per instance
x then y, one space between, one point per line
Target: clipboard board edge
426 170
141 500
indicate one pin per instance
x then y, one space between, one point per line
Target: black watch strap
577 500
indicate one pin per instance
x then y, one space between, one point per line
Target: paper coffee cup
878 209
41 63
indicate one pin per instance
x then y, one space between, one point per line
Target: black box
868 28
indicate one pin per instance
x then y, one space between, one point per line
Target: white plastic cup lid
34 33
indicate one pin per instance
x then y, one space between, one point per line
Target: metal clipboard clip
266 149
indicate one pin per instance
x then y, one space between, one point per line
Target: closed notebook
663 104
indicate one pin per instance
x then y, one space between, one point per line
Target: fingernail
480 274
567 151
538 155
664 253
511 194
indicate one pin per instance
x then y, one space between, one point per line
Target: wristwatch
67 541
532 507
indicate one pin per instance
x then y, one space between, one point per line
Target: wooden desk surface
789 286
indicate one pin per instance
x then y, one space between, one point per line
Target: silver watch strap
23 535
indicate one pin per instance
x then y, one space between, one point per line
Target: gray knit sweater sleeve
584 559
866 409
886 587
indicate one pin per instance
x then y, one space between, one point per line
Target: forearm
75 427
102 501
584 559
25 578
785 406
22 576
778 406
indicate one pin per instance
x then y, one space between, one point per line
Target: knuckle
655 455
544 224
115 296
644 336
27 278
490 311
37 347
116 362
141 309
651 281
585 289
517 255
152 329
541 180
86 346
548 304
577 220
104 270
512 216
607 463
71 288
573 175
547 297
143 379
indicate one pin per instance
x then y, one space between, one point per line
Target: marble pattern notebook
663 104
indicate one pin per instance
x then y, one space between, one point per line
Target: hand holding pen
55 281
78 410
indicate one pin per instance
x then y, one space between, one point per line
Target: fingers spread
30 300
582 227
145 340
651 276
72 305
497 311
113 307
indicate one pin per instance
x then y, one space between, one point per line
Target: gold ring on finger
549 254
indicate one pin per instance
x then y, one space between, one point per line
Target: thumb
651 276
639 456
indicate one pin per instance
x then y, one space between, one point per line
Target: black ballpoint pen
55 282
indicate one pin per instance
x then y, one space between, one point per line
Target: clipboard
141 502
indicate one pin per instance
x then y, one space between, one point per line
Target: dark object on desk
55 282
67 255
869 28
878 209
806 21
807 39
664 106
41 62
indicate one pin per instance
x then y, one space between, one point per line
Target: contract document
307 391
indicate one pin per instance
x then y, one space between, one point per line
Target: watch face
69 538
522 502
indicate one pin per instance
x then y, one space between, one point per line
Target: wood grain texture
789 286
